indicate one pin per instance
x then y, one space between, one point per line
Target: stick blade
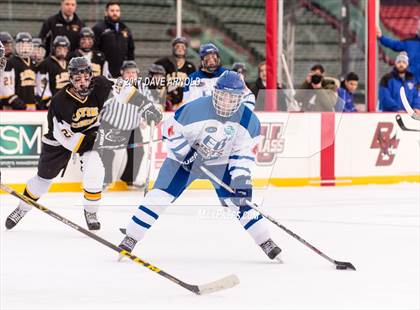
219 285
344 265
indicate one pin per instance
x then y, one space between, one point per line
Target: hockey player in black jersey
86 49
18 79
39 52
3 59
52 74
177 70
73 121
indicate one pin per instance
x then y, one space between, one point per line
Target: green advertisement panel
20 145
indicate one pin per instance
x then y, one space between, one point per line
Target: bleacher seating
151 21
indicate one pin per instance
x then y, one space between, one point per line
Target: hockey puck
341 267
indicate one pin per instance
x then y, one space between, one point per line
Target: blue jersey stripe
239 168
149 212
252 222
140 222
241 157
180 147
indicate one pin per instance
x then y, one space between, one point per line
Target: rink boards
296 149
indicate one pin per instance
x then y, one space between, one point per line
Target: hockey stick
407 106
400 123
136 145
149 158
338 264
224 283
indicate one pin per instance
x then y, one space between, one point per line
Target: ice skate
271 250
128 245
92 221
15 217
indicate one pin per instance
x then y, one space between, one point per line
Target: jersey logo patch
171 131
211 129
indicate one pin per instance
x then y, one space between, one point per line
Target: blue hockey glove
242 186
193 161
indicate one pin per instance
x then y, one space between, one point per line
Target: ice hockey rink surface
47 265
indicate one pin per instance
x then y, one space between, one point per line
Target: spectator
38 52
389 89
259 91
202 81
18 78
261 81
345 93
317 93
7 41
411 46
177 70
97 59
64 23
114 38
52 73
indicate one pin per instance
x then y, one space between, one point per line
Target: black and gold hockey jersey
51 76
71 119
97 60
17 85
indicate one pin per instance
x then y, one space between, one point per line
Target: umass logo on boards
20 145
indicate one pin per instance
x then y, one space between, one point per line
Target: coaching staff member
114 38
64 23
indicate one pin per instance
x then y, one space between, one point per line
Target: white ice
47 265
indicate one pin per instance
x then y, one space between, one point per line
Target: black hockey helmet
39 51
179 40
129 64
24 44
78 66
61 41
5 37
157 69
3 59
86 32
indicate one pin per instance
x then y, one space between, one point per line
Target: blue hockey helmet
210 64
228 93
208 48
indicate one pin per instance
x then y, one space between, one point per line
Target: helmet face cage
225 102
24 49
80 72
3 60
38 53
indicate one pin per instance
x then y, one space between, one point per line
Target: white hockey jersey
230 141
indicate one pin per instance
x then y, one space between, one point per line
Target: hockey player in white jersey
201 82
220 133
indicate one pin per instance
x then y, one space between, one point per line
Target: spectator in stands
202 81
411 46
345 93
52 74
64 23
389 89
97 59
114 38
177 68
38 52
259 91
317 93
7 41
18 78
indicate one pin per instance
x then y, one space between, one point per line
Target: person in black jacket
114 38
64 23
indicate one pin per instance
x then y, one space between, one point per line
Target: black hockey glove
151 112
242 186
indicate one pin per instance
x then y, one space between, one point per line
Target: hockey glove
242 186
151 112
193 161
